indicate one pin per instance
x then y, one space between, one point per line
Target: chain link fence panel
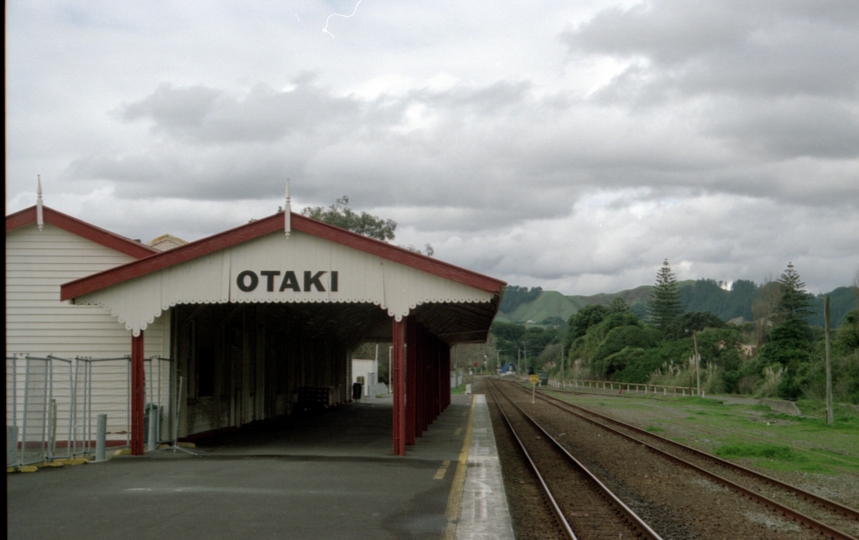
52 405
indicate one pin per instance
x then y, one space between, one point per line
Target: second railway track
826 517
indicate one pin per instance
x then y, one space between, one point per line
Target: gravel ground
677 503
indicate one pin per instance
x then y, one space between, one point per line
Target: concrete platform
329 475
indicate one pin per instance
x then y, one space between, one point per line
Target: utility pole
519 360
525 353
562 363
830 414
697 364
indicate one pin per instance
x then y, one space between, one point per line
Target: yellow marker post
534 380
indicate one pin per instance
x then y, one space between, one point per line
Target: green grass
769 451
700 401
755 434
779 458
458 389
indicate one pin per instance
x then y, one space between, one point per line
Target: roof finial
40 218
287 212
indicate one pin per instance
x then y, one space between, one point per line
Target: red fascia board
80 228
268 225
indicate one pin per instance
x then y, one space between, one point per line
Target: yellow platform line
439 474
455 499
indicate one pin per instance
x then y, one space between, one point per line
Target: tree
515 296
789 347
618 305
340 215
664 304
616 340
794 301
584 318
687 323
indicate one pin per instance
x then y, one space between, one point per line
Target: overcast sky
570 145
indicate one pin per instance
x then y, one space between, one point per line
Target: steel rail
823 501
790 512
628 513
556 509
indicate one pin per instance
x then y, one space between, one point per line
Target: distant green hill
549 304
539 307
544 306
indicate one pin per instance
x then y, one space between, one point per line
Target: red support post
138 393
398 379
421 405
445 362
437 377
411 380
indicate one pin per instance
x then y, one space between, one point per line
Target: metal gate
53 404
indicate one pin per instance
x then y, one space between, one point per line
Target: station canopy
347 285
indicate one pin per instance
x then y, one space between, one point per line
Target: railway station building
260 317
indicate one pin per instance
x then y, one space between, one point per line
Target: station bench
311 398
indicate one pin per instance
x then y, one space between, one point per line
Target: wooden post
697 364
830 414
138 394
411 380
562 363
398 331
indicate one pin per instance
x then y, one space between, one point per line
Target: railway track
591 511
827 517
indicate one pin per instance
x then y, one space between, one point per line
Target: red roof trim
81 228
269 225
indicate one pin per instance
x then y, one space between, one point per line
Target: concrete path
484 513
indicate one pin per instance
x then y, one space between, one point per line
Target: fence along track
594 511
842 516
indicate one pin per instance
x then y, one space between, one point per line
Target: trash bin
356 390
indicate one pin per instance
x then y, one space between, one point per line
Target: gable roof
83 229
268 225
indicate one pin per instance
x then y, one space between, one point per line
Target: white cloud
568 146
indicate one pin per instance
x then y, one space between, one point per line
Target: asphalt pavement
327 475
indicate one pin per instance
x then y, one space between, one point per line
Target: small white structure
367 370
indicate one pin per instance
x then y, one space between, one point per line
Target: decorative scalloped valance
274 268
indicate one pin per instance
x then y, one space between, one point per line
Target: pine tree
664 304
794 301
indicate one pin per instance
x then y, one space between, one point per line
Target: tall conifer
795 300
664 304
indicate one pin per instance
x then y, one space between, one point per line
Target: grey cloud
734 47
722 237
205 115
214 174
801 126
484 156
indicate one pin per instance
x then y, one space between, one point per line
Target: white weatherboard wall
214 278
38 323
